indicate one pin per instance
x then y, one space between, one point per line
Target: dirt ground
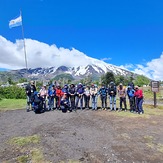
84 136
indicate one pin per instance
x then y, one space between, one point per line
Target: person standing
93 92
43 93
51 96
139 99
131 97
58 96
87 96
30 89
112 91
103 96
79 96
122 97
71 92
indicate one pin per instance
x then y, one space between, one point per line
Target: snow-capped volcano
97 70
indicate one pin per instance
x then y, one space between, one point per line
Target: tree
22 80
141 80
107 78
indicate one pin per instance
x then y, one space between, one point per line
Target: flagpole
25 54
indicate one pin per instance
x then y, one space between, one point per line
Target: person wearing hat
30 89
122 96
139 99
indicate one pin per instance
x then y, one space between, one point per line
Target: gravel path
84 136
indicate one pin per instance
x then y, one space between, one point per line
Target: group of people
72 97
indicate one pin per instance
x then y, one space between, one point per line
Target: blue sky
126 33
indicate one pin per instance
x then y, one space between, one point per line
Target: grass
35 155
22 141
12 104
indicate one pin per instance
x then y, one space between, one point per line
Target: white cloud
105 59
127 66
152 69
43 55
38 55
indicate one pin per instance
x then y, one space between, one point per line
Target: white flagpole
25 54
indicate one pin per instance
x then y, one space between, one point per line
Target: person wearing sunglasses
139 100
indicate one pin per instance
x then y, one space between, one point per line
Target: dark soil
84 136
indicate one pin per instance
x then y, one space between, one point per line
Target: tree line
14 92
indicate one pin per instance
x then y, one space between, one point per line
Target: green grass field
12 104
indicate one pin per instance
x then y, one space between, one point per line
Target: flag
15 22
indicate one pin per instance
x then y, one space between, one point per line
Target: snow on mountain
95 68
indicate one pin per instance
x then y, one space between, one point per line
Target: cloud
105 59
38 55
127 66
152 69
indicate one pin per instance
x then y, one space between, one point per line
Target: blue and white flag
15 22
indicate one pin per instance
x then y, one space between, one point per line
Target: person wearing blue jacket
103 96
79 96
51 96
64 103
131 97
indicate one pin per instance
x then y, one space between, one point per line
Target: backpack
131 93
112 90
103 92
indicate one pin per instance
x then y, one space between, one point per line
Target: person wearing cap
30 89
139 99
122 96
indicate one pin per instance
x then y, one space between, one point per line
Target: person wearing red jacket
139 99
59 94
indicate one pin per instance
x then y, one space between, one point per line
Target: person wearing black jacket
72 93
30 89
112 91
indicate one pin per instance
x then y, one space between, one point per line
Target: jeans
139 103
51 102
104 101
112 101
94 102
79 99
29 101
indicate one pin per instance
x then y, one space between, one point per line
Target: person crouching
64 104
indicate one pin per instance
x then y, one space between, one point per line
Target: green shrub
12 92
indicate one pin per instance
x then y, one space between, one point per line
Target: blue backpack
103 91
